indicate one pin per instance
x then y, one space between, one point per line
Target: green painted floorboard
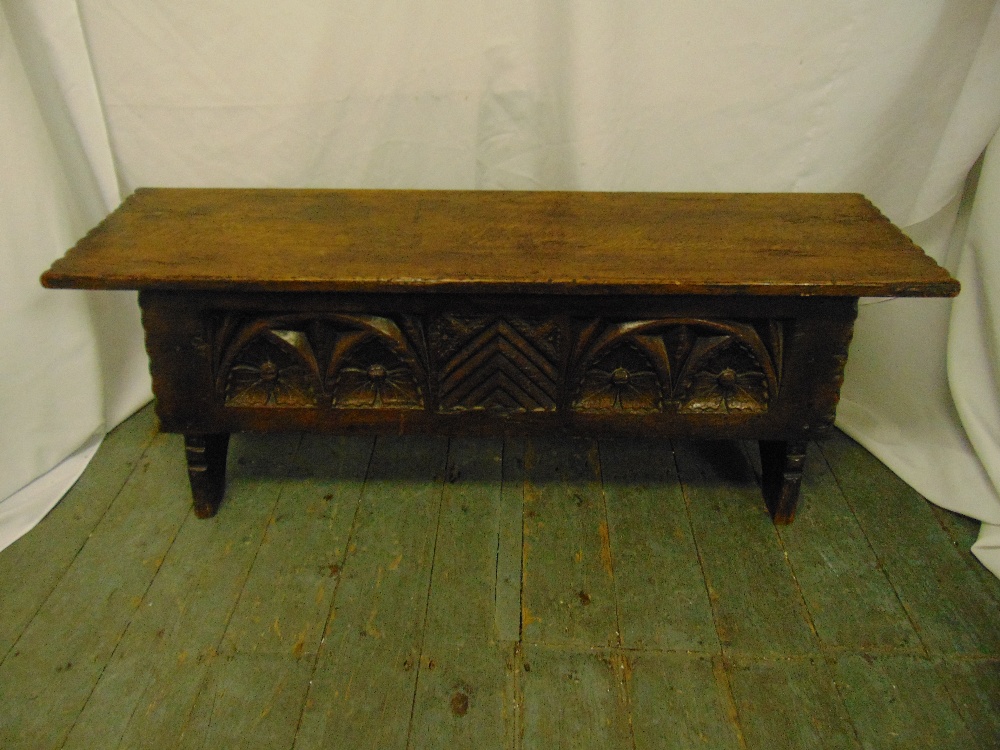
50 550
951 608
529 593
365 676
50 673
757 603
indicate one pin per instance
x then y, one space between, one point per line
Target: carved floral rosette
686 365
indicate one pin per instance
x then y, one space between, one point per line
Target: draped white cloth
891 98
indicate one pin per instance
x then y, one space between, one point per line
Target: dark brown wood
413 365
464 312
782 464
206 465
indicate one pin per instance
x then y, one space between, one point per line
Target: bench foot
206 464
782 463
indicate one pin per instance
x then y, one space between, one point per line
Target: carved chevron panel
501 364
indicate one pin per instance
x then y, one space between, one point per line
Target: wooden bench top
275 240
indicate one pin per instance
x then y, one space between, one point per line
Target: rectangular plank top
275 240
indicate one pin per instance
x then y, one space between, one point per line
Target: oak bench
476 312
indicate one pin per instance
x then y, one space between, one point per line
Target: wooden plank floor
472 593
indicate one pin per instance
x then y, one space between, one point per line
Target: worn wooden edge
946 287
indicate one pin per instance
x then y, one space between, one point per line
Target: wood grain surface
503 242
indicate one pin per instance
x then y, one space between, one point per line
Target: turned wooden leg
206 462
782 463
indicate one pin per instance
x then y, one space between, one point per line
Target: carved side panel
840 339
310 361
504 364
683 365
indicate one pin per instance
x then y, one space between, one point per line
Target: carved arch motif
309 360
684 364
275 368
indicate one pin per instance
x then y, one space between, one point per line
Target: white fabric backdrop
887 97
69 363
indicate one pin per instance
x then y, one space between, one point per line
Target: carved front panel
505 364
501 363
683 365
310 361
